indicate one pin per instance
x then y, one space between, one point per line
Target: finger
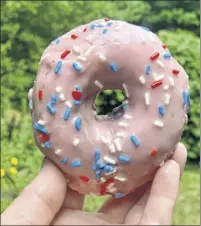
135 214
163 194
40 200
73 200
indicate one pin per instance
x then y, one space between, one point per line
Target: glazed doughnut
102 154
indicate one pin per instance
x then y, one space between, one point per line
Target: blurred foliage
27 27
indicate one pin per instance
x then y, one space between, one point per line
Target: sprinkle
114 67
126 89
154 152
165 87
77 95
142 80
127 116
167 55
57 41
147 98
68 104
188 99
109 173
97 173
104 139
175 71
164 46
103 179
81 58
76 164
154 56
76 141
44 137
67 114
120 178
97 83
31 105
101 164
161 110
76 49
160 63
77 102
105 31
58 151
41 122
108 168
124 158
110 185
78 124
118 195
123 124
97 155
64 161
62 97
171 81
100 25
83 178
51 109
184 96
102 190
158 123
58 89
148 70
109 24
64 54
119 134
109 160
85 30
167 98
117 144
58 66
40 128
53 100
40 94
159 77
106 19
102 58
156 84
112 148
89 50
73 36
135 140
92 26
77 66
47 144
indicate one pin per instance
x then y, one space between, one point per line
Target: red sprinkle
155 84
85 30
85 179
76 95
65 53
154 56
74 36
176 72
164 46
109 181
40 94
106 19
102 190
44 137
154 152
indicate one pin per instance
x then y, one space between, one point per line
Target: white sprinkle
89 50
126 89
112 190
68 104
117 144
171 81
41 122
162 163
120 178
81 58
30 93
109 173
76 49
158 123
159 77
104 139
89 38
97 135
102 58
165 87
103 179
58 151
142 79
160 63
127 116
76 142
112 148
110 185
62 97
125 102
123 124
58 89
97 83
120 134
147 98
109 159
167 98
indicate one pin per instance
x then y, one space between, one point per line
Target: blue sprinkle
161 110
100 164
124 106
188 99
100 25
64 161
78 124
30 105
47 144
51 109
118 195
67 114
97 155
98 174
53 100
109 24
77 67
148 70
124 158
95 167
76 164
135 140
78 88
92 26
184 95
58 66
167 55
77 102
145 28
57 41
40 128
108 168
105 31
114 67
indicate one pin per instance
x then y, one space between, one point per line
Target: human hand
48 201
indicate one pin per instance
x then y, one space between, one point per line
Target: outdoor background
28 27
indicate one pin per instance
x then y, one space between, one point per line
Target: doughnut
108 154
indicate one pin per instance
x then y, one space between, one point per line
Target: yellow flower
14 161
13 170
3 172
